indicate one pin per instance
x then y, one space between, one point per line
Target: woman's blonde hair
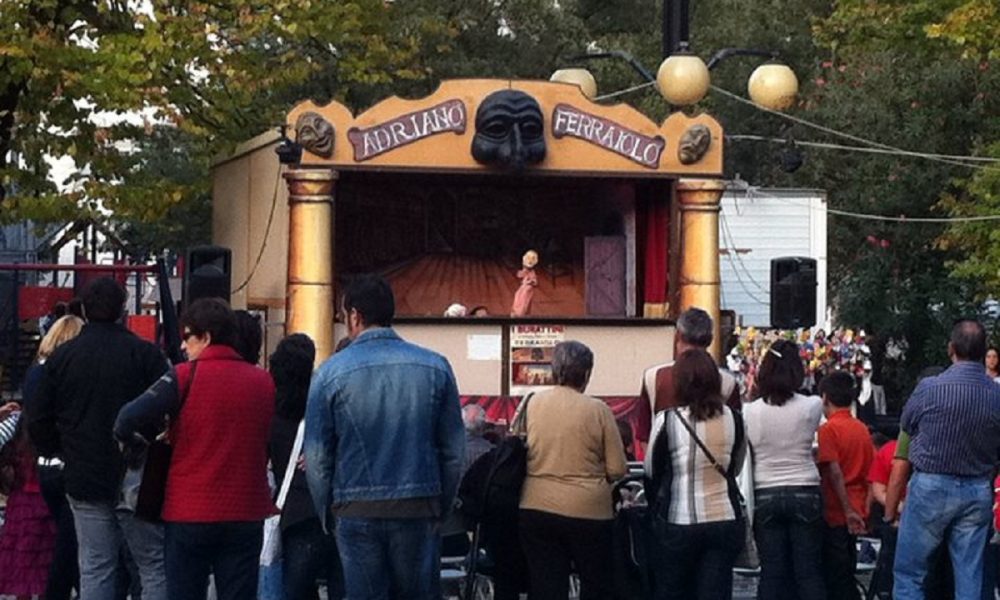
62 331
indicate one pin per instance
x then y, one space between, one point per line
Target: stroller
631 536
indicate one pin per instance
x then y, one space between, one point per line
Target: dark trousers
788 528
228 550
308 554
840 559
696 561
881 584
503 548
553 544
64 572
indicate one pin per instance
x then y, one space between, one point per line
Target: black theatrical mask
510 131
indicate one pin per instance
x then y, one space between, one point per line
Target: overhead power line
958 161
872 146
739 137
753 193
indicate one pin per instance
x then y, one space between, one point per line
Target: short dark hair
698 385
838 389
291 367
571 364
781 373
695 327
968 339
103 300
372 297
75 308
212 316
249 337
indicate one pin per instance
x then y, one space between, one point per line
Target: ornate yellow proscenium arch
570 136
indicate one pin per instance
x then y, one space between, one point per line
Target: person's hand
8 409
891 514
300 464
855 523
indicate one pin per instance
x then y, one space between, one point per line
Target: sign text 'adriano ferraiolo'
406 129
570 121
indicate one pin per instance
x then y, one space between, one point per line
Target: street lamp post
683 78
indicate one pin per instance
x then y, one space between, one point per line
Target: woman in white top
696 516
788 515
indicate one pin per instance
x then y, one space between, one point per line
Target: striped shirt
954 422
698 493
8 427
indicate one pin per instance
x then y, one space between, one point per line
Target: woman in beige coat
574 454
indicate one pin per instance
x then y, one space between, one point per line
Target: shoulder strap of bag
519 424
187 385
704 449
286 482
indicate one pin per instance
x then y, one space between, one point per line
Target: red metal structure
20 302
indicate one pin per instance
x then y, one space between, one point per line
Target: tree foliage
218 72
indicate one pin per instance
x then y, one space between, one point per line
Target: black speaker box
793 292
207 273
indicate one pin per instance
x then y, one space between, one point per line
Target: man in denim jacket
384 445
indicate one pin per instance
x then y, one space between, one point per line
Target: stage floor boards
429 284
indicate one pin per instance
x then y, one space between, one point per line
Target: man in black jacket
85 383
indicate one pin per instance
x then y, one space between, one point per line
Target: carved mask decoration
694 144
510 131
315 134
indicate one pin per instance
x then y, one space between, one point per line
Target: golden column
309 304
698 201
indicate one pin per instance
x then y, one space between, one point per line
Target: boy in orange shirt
845 457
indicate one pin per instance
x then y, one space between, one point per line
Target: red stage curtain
500 409
657 265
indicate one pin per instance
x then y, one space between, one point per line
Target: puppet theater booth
445 195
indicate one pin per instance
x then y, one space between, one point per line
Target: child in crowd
878 477
845 457
27 538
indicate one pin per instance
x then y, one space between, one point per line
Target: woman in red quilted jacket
219 409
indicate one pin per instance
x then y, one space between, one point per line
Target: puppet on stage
529 281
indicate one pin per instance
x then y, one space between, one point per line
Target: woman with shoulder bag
309 552
574 454
697 451
216 499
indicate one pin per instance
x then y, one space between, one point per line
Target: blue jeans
788 527
696 561
100 531
390 559
228 550
956 510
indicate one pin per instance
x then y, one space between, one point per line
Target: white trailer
758 224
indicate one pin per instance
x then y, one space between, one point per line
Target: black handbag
159 453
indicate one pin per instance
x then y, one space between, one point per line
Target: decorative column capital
700 194
316 185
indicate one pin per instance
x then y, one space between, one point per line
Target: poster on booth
531 348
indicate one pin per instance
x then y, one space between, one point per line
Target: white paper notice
484 347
